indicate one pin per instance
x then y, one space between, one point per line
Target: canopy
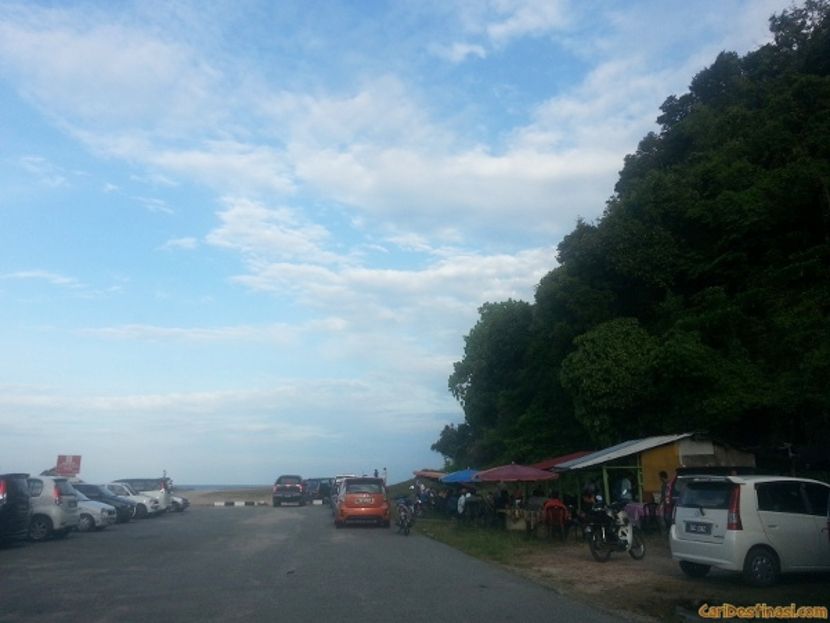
429 473
459 477
514 473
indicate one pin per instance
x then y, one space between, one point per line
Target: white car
761 526
158 488
94 515
179 503
145 505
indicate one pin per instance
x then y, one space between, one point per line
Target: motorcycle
610 530
405 519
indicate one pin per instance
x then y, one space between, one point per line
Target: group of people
466 502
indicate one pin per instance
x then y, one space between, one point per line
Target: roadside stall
629 472
518 516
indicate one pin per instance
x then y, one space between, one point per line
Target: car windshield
707 494
150 484
289 480
363 486
122 490
81 497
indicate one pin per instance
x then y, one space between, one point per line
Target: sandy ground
652 589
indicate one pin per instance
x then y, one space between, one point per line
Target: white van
761 526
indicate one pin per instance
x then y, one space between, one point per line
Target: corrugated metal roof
558 460
621 450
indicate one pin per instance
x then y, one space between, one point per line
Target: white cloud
186 244
105 73
518 18
272 333
46 172
256 230
445 293
224 165
155 205
54 279
458 52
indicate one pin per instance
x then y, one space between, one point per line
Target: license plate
363 501
697 527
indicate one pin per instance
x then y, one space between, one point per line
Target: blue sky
245 238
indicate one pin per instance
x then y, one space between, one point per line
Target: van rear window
706 494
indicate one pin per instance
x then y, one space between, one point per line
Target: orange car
362 500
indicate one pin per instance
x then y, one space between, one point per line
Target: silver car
54 508
94 515
145 505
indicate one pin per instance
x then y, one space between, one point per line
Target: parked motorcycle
405 512
610 530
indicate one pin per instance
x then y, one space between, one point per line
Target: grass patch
501 546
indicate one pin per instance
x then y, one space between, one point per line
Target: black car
289 488
318 489
15 507
124 509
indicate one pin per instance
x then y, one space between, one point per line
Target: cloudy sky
244 238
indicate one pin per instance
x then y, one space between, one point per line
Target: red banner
69 464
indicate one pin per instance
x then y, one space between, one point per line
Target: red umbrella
514 473
429 473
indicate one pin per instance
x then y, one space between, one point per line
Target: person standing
665 503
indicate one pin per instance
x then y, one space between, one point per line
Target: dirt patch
654 588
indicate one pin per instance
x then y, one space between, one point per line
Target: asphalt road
263 564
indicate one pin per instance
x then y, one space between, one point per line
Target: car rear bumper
727 554
363 515
289 498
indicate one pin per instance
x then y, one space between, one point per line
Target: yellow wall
663 458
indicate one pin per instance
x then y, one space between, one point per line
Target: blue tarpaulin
459 477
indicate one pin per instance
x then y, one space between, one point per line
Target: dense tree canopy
700 300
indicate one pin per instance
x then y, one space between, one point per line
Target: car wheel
694 569
176 507
86 523
141 511
761 567
40 528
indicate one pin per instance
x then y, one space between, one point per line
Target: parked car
317 489
15 507
761 526
158 488
54 507
146 506
179 503
362 500
335 489
94 515
682 474
124 508
288 488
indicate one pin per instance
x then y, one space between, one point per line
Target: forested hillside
700 300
